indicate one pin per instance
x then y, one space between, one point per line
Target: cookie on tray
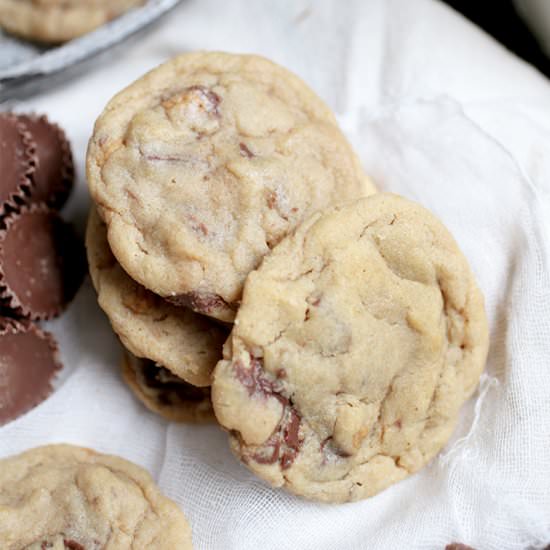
185 343
66 497
204 164
56 21
164 393
357 341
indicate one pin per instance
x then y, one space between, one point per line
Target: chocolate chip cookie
54 21
60 496
357 341
164 393
187 344
204 164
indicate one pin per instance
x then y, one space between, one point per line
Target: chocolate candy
52 179
42 263
17 162
28 364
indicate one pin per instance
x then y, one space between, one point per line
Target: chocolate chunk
292 430
201 302
28 364
16 163
170 386
291 437
458 546
269 452
42 263
72 545
54 173
209 99
285 442
254 379
245 151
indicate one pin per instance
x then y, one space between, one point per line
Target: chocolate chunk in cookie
166 394
28 363
42 263
357 341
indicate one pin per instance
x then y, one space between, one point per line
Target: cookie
56 21
42 263
52 178
164 393
29 361
357 341
17 159
66 497
187 344
204 164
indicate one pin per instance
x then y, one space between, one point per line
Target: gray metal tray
27 68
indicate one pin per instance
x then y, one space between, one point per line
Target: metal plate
27 68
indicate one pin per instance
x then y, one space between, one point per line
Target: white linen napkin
438 113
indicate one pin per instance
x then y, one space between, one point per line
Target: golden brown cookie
54 21
357 341
66 497
187 344
204 164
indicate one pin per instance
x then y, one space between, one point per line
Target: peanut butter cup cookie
185 343
65 497
54 21
204 164
358 339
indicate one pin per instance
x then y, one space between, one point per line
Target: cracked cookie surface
55 21
61 496
204 164
187 344
358 339
164 393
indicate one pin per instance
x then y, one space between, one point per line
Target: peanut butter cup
54 173
42 263
17 161
28 363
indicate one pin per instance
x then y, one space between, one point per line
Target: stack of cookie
42 262
228 202
194 183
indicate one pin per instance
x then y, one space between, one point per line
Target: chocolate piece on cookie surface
164 393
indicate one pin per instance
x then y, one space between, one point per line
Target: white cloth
439 113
